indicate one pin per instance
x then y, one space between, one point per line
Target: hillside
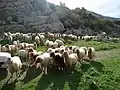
42 16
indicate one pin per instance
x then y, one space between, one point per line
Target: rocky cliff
42 16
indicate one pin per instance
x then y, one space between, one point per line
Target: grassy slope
98 45
104 72
101 74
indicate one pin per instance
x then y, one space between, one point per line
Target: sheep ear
9 59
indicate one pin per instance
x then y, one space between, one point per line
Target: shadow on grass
24 68
57 80
32 73
97 65
10 86
3 73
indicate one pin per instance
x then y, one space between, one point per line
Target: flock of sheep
57 54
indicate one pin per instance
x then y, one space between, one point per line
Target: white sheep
14 48
14 65
37 40
44 60
48 43
6 48
16 42
91 53
54 45
81 53
60 43
27 45
49 50
22 54
70 59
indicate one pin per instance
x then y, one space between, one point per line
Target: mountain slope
42 16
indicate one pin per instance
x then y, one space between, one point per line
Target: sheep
43 60
16 42
58 61
49 50
10 39
14 48
74 48
27 45
14 65
50 35
28 51
48 43
32 57
60 43
91 53
22 54
69 49
87 37
54 45
10 48
37 40
81 53
42 39
21 46
57 35
6 48
70 59
59 50
27 38
5 35
18 35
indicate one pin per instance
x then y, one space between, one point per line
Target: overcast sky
105 7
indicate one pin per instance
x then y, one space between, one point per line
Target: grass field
101 74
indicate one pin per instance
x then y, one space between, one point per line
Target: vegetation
96 75
101 74
98 45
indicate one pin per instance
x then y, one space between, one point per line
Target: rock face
42 16
28 15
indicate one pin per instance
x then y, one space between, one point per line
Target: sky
104 7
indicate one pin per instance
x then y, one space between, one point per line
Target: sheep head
65 54
89 53
52 54
9 60
70 47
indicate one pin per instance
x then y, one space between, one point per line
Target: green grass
42 48
95 75
98 45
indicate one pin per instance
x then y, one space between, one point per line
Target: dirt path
107 54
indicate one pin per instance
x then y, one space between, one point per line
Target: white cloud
104 7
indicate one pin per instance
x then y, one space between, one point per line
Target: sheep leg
16 75
45 70
11 78
19 73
